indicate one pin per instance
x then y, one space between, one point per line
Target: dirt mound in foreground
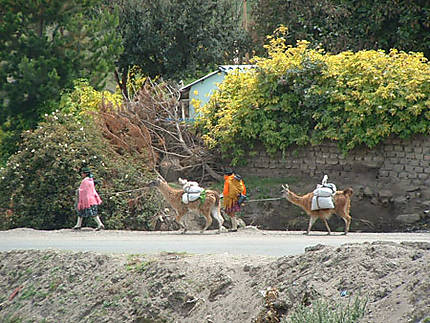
54 286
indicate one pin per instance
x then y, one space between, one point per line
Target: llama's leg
344 214
327 226
347 220
311 222
207 215
179 221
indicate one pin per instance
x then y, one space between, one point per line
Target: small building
203 88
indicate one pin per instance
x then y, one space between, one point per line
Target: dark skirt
88 212
233 209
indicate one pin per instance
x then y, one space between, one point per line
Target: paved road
248 241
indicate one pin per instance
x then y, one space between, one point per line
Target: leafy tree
177 39
44 46
317 21
339 25
387 24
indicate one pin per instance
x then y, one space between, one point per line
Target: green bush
328 312
38 185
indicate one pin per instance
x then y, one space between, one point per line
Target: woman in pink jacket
88 200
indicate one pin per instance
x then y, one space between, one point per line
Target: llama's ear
324 180
285 187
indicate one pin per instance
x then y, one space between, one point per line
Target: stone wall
400 161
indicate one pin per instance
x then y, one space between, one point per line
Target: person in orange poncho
233 195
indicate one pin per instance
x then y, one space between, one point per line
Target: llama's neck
171 194
296 199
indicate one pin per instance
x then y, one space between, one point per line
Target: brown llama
342 202
210 207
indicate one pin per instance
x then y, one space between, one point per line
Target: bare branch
150 125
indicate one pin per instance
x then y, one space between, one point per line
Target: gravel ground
66 286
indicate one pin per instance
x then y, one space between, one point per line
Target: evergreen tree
44 46
178 39
340 25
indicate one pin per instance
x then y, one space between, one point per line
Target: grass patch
136 264
27 292
260 187
108 304
257 187
265 187
328 312
13 319
269 181
41 295
140 267
53 285
46 256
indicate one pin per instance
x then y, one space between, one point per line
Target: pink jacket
87 194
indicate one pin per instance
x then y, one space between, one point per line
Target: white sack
190 197
319 202
324 192
193 189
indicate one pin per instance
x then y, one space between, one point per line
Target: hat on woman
85 170
228 171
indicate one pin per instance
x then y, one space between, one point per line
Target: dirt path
247 241
66 286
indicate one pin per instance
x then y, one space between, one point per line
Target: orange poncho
232 189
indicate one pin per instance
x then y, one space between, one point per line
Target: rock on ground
54 286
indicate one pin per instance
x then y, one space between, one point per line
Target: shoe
100 227
232 230
76 228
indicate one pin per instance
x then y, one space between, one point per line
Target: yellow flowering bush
375 95
136 80
299 95
84 98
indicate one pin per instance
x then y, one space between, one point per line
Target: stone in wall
396 160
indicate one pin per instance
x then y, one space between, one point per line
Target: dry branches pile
151 125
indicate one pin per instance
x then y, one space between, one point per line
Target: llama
210 207
342 202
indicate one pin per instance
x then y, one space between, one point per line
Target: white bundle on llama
192 190
323 195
